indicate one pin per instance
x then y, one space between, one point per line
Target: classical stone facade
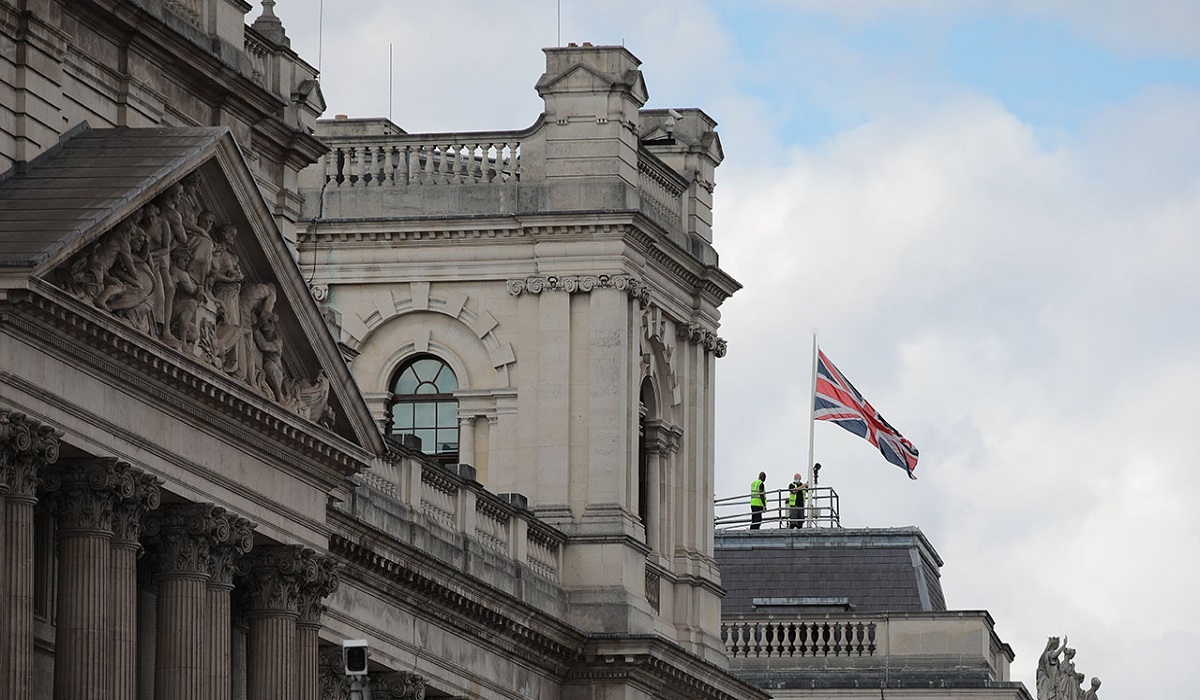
199 499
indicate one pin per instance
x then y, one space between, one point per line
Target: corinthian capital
131 510
398 686
225 553
85 493
274 576
313 593
26 446
181 538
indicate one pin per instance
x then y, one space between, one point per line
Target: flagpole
812 411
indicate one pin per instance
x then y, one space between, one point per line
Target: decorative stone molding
584 284
26 446
181 538
173 272
697 335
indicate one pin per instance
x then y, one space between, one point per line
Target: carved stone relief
572 284
172 271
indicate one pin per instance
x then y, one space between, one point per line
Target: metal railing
821 509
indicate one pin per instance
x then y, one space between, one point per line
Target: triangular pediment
584 78
165 232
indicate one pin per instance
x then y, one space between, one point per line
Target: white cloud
1026 315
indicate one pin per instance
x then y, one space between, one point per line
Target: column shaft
82 666
220 633
124 622
271 656
179 662
18 567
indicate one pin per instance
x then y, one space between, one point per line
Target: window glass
423 405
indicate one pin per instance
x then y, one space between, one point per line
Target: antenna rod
390 63
320 33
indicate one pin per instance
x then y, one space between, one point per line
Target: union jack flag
835 399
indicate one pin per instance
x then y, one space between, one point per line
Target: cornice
432 586
662 666
179 382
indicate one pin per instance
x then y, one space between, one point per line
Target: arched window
423 405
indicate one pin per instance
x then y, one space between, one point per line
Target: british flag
835 399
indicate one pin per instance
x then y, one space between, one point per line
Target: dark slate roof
824 570
48 203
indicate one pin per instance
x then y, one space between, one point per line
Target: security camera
354 657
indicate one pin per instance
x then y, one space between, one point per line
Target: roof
819 570
51 202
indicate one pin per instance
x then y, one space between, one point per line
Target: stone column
224 557
84 494
308 627
181 537
26 446
274 576
126 546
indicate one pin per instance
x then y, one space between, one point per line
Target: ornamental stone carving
313 593
697 335
398 686
85 493
1057 678
274 576
572 284
130 513
236 538
26 446
173 271
181 538
333 682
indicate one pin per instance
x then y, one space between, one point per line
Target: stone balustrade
360 158
451 504
423 159
866 641
662 192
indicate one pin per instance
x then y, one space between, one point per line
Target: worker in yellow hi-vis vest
758 500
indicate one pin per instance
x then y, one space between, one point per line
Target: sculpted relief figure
1091 692
172 271
225 283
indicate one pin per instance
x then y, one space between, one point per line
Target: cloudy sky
986 210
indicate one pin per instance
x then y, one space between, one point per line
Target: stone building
819 613
498 467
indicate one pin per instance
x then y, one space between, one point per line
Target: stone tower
540 309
